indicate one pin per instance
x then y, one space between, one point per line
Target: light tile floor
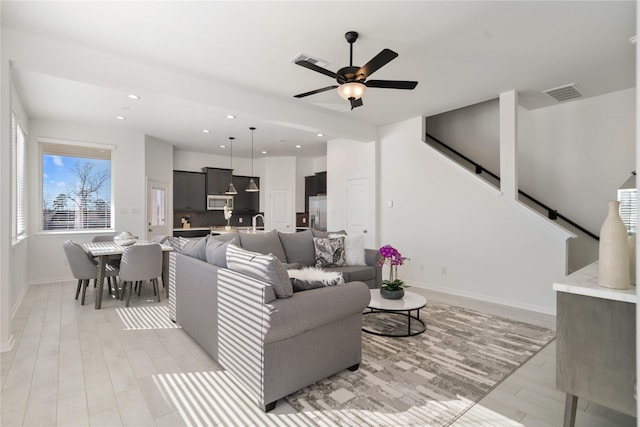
72 365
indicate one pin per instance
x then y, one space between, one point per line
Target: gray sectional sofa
228 292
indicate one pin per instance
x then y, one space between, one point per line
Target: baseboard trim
480 297
16 306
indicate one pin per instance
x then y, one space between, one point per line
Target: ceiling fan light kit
353 90
352 80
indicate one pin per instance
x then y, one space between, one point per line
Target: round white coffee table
402 307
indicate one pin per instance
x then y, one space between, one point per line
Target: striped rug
426 380
155 317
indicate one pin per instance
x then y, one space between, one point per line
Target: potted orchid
227 215
392 288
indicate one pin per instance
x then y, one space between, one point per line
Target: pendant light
232 188
252 187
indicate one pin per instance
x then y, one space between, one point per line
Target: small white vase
632 259
613 251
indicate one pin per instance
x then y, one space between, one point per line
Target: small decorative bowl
125 239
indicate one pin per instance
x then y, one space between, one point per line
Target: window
76 187
628 199
18 148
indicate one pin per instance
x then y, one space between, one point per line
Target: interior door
157 210
280 215
358 210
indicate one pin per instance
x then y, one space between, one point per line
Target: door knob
364 231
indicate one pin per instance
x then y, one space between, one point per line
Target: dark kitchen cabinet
218 180
246 201
314 185
322 183
189 191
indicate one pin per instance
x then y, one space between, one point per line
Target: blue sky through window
59 177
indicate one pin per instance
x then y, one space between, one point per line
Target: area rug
156 317
425 380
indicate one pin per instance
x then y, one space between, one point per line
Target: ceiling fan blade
314 67
313 92
391 84
355 102
378 61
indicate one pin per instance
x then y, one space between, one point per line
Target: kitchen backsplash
216 218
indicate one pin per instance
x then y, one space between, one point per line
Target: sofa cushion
311 278
353 249
298 247
356 273
263 243
196 248
217 251
329 252
318 233
225 237
262 267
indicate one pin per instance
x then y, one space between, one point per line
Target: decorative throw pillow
353 249
311 278
217 251
329 252
196 248
266 268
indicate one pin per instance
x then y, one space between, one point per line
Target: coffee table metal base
400 313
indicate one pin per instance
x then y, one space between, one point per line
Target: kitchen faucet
254 221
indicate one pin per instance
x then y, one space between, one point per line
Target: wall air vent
564 93
304 57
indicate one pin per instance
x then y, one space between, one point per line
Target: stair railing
552 214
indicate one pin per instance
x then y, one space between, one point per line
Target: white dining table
103 250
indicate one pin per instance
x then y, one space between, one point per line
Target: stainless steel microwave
216 203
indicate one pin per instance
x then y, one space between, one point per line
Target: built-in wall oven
217 202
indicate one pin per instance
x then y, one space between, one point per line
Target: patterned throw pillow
329 252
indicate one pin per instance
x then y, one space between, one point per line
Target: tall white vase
614 251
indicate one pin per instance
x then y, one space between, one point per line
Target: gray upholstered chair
84 268
140 263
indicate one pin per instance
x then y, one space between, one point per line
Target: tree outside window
76 187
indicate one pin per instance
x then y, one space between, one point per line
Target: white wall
462 236
575 155
304 167
472 130
347 159
127 182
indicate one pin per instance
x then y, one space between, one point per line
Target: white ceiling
194 62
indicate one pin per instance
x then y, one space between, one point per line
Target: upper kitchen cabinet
314 185
189 191
217 180
246 201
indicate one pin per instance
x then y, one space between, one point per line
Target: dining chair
140 263
84 268
102 239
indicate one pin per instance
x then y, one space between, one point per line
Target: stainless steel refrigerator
318 212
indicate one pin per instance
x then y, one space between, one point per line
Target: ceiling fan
353 80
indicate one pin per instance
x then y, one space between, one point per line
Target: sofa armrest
371 257
314 308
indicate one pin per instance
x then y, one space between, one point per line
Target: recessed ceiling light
206 131
223 146
133 96
264 152
121 118
298 146
230 116
320 134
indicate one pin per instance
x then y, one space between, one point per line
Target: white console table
596 343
